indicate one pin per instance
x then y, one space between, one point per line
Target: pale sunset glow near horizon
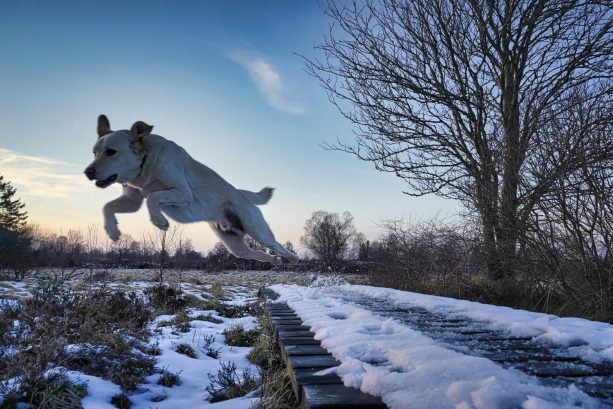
223 79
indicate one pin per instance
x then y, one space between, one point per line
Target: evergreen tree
14 237
12 215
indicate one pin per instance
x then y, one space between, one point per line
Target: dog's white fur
152 167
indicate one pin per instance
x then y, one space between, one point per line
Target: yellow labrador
152 167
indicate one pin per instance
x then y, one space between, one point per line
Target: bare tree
329 236
570 242
459 98
161 244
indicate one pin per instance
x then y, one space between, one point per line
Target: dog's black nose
90 173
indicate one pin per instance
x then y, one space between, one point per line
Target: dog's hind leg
234 240
260 231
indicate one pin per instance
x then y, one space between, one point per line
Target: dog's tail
260 198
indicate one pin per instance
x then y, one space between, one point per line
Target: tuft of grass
217 291
51 392
238 336
167 299
186 349
228 383
211 351
121 401
168 379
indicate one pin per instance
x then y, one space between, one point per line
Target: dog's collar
143 163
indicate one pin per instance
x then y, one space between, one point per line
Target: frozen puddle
419 351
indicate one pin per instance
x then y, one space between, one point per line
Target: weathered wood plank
286 321
312 361
306 376
337 397
288 334
291 350
291 327
305 350
280 308
299 341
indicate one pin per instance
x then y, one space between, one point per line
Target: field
117 338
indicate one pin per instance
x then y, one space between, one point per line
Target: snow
193 372
190 393
410 370
594 340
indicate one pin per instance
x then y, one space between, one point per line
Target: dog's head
118 155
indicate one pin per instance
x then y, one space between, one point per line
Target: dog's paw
160 222
112 231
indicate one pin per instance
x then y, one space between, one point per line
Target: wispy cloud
41 177
268 81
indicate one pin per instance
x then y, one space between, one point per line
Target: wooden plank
288 334
299 341
291 327
291 321
312 361
306 376
275 318
279 308
337 397
305 350
275 314
271 305
290 350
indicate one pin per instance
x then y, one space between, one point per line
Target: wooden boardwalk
305 357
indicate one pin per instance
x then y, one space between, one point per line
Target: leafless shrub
229 383
208 343
411 255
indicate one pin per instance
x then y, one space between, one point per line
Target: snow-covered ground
190 392
408 369
239 288
193 372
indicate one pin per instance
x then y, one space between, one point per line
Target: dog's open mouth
106 182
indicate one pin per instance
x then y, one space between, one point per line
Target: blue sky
221 78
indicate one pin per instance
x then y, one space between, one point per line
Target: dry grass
238 336
276 389
99 333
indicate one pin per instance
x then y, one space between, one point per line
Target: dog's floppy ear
104 126
137 132
140 129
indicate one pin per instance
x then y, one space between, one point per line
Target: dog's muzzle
106 182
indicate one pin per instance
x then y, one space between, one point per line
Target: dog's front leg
171 197
129 202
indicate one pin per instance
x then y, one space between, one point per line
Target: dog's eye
110 152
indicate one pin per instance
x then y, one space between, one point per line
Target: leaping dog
178 186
